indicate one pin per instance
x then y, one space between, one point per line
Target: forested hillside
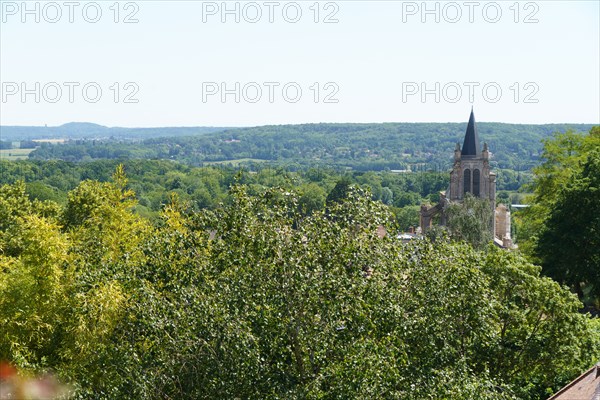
82 130
362 147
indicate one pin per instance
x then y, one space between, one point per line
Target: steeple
470 146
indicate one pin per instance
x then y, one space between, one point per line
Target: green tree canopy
569 245
257 299
471 221
563 157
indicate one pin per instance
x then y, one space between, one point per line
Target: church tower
471 174
471 170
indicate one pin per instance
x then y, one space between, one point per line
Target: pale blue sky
375 53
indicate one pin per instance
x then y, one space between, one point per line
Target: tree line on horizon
362 147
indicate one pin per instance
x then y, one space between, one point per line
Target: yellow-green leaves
32 290
98 311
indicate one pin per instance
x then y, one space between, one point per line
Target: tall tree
563 157
471 221
569 245
340 192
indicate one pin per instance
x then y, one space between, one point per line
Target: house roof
584 387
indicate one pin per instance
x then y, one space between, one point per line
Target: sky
199 63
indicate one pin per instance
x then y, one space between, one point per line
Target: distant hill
366 147
87 130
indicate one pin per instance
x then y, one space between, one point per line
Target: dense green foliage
569 244
206 187
258 299
471 221
561 228
269 278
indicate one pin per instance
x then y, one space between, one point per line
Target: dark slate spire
471 144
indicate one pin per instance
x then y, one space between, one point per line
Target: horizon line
291 123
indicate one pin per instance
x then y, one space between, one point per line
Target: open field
14 154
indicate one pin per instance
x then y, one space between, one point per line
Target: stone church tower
471 171
471 174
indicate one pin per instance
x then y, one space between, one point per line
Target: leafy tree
340 192
408 217
387 196
530 315
563 156
471 221
569 245
312 198
404 199
33 301
33 297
